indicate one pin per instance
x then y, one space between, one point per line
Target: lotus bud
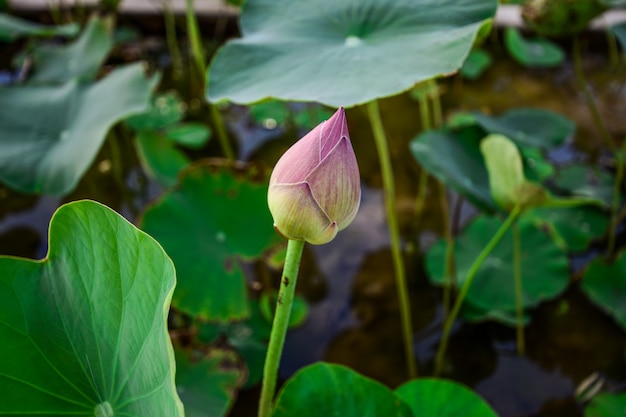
315 188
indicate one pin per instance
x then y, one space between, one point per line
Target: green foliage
605 285
12 28
325 389
441 398
80 60
529 126
215 219
51 134
562 17
343 53
160 133
477 62
87 324
207 384
534 52
606 405
619 31
545 268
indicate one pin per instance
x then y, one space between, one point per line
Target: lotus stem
519 306
280 324
170 37
394 232
471 274
198 56
449 268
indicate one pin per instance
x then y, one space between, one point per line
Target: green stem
394 232
425 118
436 103
170 36
604 132
471 274
280 325
198 56
613 49
449 268
194 38
220 129
519 306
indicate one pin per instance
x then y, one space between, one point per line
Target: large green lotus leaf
207 385
343 53
442 398
606 405
535 52
529 126
605 285
545 272
12 28
51 135
573 227
84 330
325 389
216 217
455 158
81 59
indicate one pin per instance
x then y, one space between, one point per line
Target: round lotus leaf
215 218
454 157
533 52
545 270
325 389
84 330
605 285
343 53
442 398
529 126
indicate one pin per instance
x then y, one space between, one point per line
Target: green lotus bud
315 188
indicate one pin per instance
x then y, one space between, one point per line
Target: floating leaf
84 329
216 218
80 59
574 227
529 126
343 53
164 110
605 285
299 309
476 64
207 386
442 398
533 53
586 181
545 269
606 405
325 389
455 158
159 157
12 27
190 135
51 135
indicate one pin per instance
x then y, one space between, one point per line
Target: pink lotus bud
315 188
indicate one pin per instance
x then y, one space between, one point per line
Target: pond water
354 317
